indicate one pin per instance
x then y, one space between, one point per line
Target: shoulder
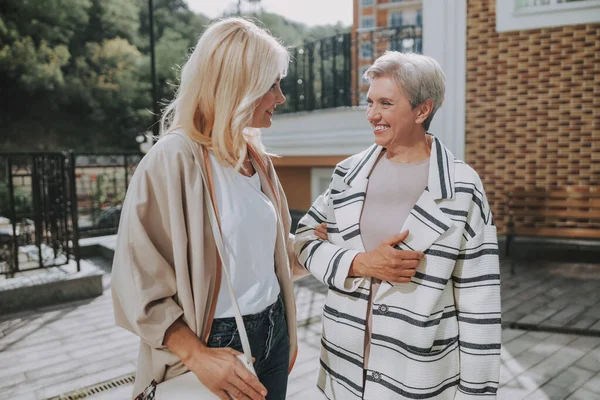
469 184
465 174
170 148
347 164
170 156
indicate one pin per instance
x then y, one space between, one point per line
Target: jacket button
383 308
376 376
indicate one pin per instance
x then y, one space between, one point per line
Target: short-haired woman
411 260
166 278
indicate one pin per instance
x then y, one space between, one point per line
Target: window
366 50
366 2
419 21
367 22
514 15
319 181
395 19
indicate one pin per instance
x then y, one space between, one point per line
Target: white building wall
445 39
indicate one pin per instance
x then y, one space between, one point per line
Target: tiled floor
51 351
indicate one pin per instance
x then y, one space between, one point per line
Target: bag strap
214 223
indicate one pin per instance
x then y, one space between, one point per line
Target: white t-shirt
249 228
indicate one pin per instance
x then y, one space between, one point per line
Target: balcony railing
328 72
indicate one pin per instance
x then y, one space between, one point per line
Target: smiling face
263 114
394 121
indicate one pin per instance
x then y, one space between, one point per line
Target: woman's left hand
321 231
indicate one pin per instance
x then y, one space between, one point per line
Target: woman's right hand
387 263
218 369
223 373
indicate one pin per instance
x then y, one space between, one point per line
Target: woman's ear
424 110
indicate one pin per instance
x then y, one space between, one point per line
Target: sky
309 12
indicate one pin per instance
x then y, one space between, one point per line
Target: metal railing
328 72
319 75
102 180
48 201
38 212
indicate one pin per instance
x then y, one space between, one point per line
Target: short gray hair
418 76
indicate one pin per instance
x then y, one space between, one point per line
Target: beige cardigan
165 264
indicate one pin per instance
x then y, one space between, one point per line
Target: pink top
392 192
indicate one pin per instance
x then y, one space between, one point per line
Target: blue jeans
269 341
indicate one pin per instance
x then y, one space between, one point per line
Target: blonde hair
419 77
231 68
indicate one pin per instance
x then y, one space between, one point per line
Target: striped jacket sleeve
326 261
476 280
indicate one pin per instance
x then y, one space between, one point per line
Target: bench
571 212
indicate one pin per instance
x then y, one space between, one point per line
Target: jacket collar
441 169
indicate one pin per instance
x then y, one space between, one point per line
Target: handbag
187 386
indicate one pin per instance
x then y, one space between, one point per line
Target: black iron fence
328 72
102 180
38 212
48 201
319 75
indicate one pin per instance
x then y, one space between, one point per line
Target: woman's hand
321 231
387 263
218 369
223 373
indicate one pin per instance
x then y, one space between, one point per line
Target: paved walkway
553 296
52 351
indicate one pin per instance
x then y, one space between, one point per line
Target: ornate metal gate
38 211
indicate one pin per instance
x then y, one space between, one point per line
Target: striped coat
437 337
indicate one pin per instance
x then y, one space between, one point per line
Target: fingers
406 273
223 395
321 231
402 263
252 383
234 351
240 389
400 280
395 239
234 392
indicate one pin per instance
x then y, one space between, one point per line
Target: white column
445 39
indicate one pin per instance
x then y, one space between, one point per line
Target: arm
143 276
476 280
297 270
327 262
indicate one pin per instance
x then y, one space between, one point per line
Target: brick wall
533 106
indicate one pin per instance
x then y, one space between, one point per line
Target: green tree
77 72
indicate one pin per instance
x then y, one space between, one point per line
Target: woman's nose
372 115
281 98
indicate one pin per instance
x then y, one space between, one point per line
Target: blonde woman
166 279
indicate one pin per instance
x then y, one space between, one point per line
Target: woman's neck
411 151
